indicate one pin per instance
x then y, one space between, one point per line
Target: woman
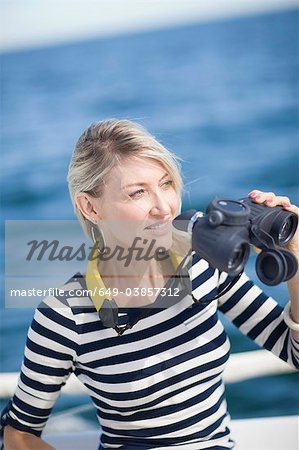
150 357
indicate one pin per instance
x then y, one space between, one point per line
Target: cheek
129 214
174 202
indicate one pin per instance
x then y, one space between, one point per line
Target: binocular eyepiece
223 236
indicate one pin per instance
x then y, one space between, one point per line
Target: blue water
223 96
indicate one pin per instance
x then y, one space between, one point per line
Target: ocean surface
223 96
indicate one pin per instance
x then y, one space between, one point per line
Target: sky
36 23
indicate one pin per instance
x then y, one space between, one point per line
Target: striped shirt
159 385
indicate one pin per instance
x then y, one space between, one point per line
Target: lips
160 227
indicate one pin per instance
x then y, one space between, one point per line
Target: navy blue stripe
185 423
154 389
115 340
55 337
275 335
27 408
19 426
250 310
23 417
34 384
209 296
193 310
195 259
76 310
202 278
54 316
236 297
296 343
225 283
138 375
145 442
156 368
158 400
46 351
284 352
164 410
295 360
158 348
51 371
259 327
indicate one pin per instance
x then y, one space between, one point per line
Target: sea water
221 95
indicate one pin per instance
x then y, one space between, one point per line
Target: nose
160 206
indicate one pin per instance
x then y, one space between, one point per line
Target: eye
137 194
167 183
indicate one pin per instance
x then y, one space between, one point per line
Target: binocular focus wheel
272 267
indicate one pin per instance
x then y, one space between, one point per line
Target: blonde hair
105 144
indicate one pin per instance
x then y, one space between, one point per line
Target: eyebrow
143 184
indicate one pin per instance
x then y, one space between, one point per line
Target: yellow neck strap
95 284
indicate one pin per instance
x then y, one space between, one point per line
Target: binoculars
224 234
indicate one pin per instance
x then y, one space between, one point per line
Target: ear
87 205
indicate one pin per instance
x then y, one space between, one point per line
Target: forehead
136 170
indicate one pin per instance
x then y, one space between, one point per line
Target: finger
278 200
260 196
269 198
253 194
292 208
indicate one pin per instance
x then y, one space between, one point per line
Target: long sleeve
256 315
49 358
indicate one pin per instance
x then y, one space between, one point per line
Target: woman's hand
271 200
18 440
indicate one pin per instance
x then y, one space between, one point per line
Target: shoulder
63 303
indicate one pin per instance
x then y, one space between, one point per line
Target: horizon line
141 20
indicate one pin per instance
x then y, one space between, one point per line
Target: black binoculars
223 236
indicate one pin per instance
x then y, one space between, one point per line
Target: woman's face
139 201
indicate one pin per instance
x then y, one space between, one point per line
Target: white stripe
198 268
46 360
244 302
131 366
265 309
168 419
148 398
241 281
63 331
175 399
276 349
49 343
263 336
205 288
147 343
135 386
38 427
50 396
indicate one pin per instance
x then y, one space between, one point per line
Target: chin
164 242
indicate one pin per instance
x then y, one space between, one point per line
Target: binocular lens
275 266
270 268
282 228
238 257
287 230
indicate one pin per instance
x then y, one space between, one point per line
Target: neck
135 279
136 269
